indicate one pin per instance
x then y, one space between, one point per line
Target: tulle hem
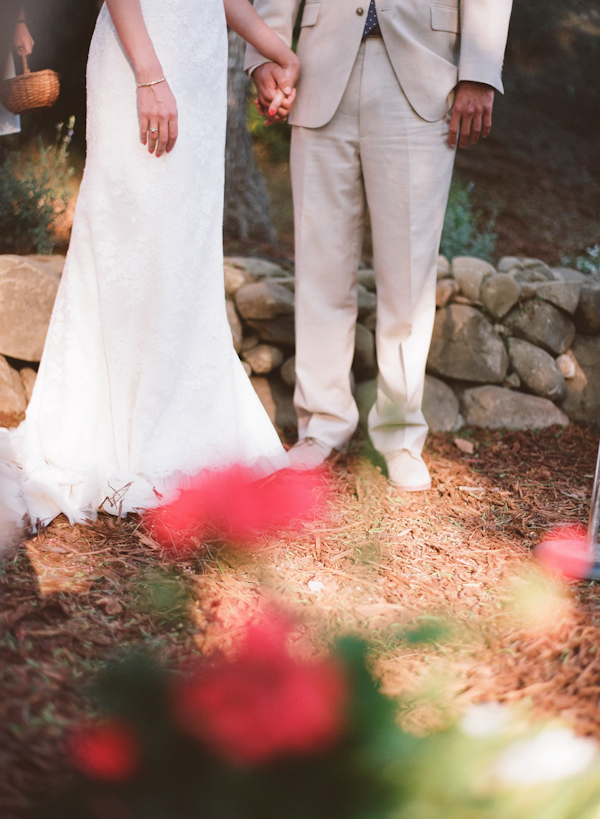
31 497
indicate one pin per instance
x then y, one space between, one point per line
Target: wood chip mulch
455 560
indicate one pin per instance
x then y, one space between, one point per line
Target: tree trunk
246 213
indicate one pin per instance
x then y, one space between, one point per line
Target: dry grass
377 563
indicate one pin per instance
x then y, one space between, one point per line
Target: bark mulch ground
454 562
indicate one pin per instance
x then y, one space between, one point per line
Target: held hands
157 112
22 39
276 93
471 113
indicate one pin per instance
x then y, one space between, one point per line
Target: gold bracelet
148 84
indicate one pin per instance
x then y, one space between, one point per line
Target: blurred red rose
264 703
236 506
108 750
565 551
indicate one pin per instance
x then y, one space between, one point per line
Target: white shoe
309 454
407 472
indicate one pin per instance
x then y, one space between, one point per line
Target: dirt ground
376 563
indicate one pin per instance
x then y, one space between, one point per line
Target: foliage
461 235
264 734
274 140
33 193
588 262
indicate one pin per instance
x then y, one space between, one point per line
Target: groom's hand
275 97
471 113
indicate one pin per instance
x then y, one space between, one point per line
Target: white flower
484 719
553 754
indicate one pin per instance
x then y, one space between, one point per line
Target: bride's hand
157 111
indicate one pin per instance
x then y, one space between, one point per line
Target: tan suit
370 128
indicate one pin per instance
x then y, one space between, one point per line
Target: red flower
234 505
108 750
565 551
264 703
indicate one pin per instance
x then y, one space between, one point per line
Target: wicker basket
31 89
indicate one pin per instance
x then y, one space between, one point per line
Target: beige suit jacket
432 47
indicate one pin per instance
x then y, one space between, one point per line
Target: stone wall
515 346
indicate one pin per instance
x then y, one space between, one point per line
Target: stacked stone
516 345
519 343
28 286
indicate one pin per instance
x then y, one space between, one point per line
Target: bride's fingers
153 136
144 126
173 133
163 136
276 102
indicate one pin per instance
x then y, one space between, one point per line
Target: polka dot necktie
372 21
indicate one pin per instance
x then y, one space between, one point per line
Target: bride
139 384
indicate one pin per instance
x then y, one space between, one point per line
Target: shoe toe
308 454
408 472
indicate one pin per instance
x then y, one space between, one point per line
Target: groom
386 92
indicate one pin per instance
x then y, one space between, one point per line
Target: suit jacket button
360 11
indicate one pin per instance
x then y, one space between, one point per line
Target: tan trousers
375 151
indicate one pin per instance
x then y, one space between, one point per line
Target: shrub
33 193
588 262
461 235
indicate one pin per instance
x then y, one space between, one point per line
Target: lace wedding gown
139 383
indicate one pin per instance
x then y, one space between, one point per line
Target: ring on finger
153 130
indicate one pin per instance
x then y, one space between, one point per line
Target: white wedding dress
139 384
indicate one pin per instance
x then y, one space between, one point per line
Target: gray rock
507 263
562 294
288 371
278 330
525 269
499 294
530 274
470 272
364 364
276 398
256 268
568 274
235 325
234 278
369 320
566 366
587 315
512 382
496 407
464 300
289 282
529 289
53 264
440 405
582 402
465 346
28 377
543 325
366 277
443 267
367 302
27 293
12 393
536 369
264 300
444 291
249 342
264 358
365 395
